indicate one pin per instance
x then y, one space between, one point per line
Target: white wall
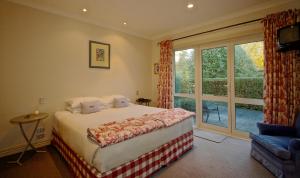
45 55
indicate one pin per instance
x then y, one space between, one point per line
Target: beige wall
252 30
45 55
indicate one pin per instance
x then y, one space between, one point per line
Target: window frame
231 99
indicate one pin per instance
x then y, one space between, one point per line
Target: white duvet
72 128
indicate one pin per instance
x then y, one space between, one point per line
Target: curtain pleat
281 89
165 83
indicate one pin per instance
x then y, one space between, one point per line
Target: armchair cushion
295 144
276 130
294 148
278 145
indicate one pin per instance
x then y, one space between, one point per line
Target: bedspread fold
115 132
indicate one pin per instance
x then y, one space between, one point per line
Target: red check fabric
144 166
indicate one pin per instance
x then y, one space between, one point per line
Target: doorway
223 84
231 87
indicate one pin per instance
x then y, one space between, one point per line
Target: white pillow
73 110
109 100
121 102
75 102
90 107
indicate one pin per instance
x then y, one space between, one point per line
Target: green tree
184 71
244 65
214 63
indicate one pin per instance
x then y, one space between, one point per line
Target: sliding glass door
248 86
231 87
223 84
214 90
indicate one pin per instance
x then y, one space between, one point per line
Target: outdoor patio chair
208 110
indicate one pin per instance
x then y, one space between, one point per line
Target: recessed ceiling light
84 10
124 23
190 5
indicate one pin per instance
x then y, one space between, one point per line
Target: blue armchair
278 148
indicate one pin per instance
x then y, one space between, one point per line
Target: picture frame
99 55
156 68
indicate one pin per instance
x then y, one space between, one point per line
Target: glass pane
247 116
214 71
248 68
185 103
184 71
215 113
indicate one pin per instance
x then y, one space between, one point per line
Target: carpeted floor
207 159
214 137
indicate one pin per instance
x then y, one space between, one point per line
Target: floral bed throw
115 132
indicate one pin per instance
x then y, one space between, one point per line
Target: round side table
25 119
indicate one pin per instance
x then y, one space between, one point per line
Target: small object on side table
143 101
36 112
24 119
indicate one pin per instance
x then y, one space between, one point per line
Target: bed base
144 166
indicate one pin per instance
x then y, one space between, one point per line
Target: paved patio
246 119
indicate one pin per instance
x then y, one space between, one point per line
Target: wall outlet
40 133
43 100
137 92
40 130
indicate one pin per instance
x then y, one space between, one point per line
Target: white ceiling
146 18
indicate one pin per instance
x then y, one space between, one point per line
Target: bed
140 156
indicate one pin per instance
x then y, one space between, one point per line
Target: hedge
246 87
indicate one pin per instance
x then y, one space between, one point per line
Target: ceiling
146 18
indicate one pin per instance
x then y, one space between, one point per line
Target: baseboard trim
18 148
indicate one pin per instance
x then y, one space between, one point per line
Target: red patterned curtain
281 88
165 92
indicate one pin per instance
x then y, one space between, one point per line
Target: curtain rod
216 29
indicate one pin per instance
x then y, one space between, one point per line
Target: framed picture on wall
99 55
156 68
